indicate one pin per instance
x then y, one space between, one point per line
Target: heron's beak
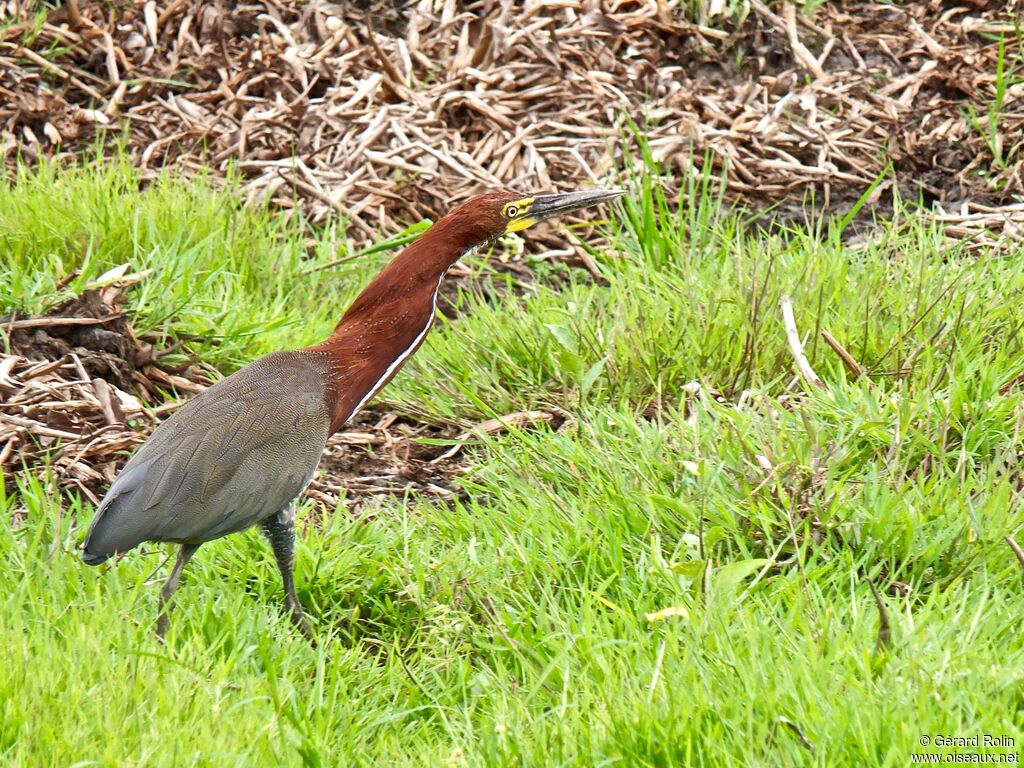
546 206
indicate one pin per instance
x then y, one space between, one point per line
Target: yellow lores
518 214
524 213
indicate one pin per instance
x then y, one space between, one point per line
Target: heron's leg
171 586
280 531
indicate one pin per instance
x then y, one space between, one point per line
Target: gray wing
235 454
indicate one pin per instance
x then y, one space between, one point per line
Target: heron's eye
511 211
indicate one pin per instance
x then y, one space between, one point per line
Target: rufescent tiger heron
239 453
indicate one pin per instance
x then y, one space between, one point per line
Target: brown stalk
1016 549
884 627
848 360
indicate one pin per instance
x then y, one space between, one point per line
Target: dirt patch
321 112
378 454
80 392
106 348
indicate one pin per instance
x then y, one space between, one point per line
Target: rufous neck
420 266
386 323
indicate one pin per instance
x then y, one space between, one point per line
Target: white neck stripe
402 357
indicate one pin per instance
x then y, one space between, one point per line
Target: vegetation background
701 533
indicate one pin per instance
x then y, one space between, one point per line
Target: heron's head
486 217
519 213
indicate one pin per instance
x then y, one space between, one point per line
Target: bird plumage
239 453
190 483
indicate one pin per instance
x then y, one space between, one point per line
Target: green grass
224 273
511 628
991 126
